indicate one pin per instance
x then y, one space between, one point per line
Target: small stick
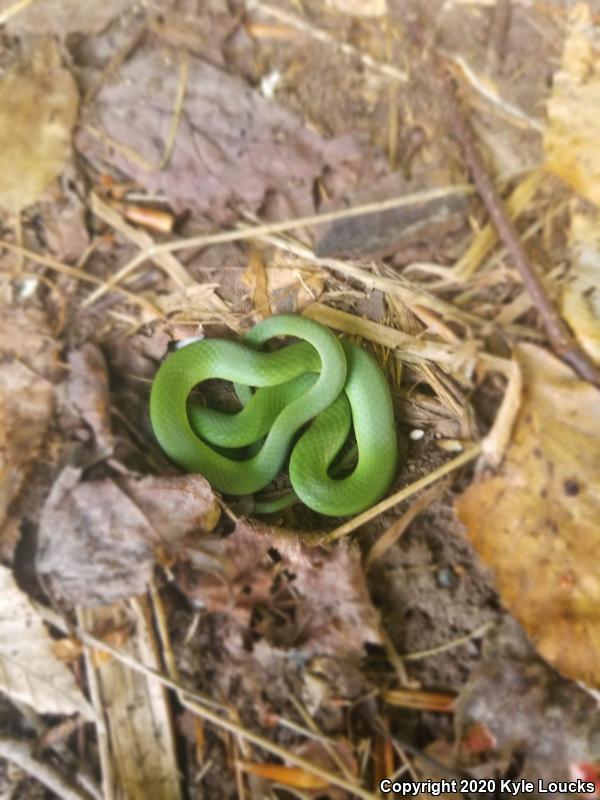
562 340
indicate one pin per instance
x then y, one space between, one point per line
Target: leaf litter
343 657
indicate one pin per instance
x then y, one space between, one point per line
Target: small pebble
446 578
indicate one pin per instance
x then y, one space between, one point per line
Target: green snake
335 386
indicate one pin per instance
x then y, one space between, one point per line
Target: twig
21 754
561 339
402 495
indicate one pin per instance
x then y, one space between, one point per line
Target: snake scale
300 402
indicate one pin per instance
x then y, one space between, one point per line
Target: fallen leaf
97 539
325 605
175 506
26 404
62 17
572 135
88 393
580 300
233 146
38 109
534 521
28 363
29 670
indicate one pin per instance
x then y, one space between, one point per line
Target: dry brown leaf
27 359
38 109
571 139
415 698
535 522
88 393
233 146
29 670
97 540
61 17
332 610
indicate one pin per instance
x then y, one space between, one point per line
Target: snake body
334 386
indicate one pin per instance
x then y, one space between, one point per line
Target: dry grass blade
411 348
173 268
131 154
485 240
424 701
258 231
74 272
348 527
442 648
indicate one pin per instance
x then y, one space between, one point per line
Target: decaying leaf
581 296
62 16
29 670
38 109
571 138
88 392
27 363
535 521
98 539
232 145
325 606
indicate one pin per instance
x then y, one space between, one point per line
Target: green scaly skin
301 382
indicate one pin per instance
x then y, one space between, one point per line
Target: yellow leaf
535 521
38 109
572 136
